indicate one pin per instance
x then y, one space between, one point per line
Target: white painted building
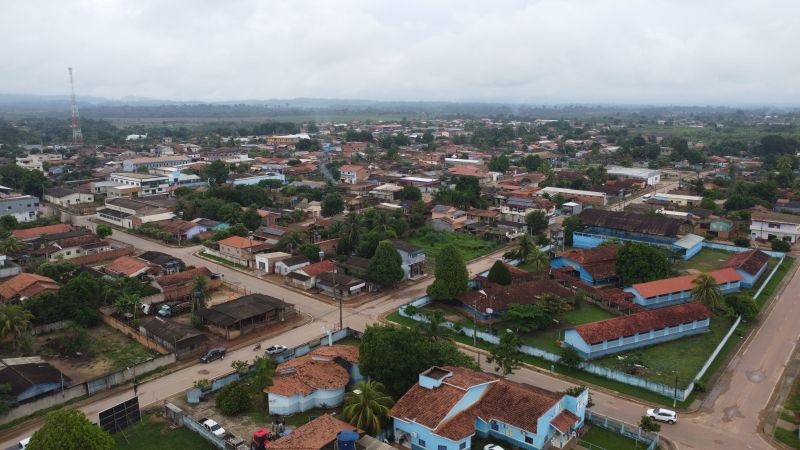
149 184
650 176
769 225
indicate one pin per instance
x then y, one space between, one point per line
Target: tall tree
499 273
12 244
538 261
216 172
707 292
386 267
639 263
69 429
103 230
199 292
261 376
526 317
367 407
506 356
451 273
571 225
536 222
332 204
14 321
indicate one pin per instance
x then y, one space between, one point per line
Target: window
442 447
495 426
421 442
528 440
462 446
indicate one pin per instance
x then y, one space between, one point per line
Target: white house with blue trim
596 339
671 291
450 405
315 380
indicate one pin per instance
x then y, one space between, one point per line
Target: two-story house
24 208
768 225
450 405
241 250
413 258
147 184
516 209
353 173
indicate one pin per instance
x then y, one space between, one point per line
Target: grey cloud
690 52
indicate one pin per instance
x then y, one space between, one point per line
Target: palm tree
127 303
200 290
352 228
367 407
432 329
261 377
538 261
12 244
706 291
14 320
524 247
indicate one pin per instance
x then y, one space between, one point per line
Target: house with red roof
317 379
750 264
596 266
671 291
450 405
596 339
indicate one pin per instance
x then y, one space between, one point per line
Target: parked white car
492 447
276 349
663 415
23 444
212 426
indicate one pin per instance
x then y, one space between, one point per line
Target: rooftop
642 322
27 285
750 261
31 233
631 222
315 435
683 283
246 307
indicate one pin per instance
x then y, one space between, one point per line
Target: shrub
570 358
649 424
234 399
780 246
741 241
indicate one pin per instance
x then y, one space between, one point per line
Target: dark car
213 354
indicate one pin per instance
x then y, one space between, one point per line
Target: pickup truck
212 426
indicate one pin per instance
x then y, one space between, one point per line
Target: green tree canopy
69 429
572 224
536 222
451 274
499 273
103 230
397 356
386 267
707 291
332 205
506 356
640 263
367 407
234 398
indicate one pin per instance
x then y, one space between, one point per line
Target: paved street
728 420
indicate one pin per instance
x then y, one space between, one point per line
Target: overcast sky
687 52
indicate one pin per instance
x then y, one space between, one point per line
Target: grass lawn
469 246
599 438
122 355
766 294
787 437
153 432
707 260
546 339
349 341
686 355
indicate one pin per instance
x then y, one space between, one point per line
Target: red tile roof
240 242
309 373
642 322
564 421
513 403
600 262
314 435
499 297
750 261
183 277
317 268
27 285
32 233
683 283
128 265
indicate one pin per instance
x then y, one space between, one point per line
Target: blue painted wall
574 340
674 298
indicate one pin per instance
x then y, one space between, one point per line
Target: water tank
346 439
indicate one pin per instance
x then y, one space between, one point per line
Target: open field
154 432
707 260
599 438
469 246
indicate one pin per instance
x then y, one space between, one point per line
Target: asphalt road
729 419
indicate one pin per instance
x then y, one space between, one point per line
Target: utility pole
675 390
77 135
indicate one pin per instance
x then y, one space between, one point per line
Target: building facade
24 208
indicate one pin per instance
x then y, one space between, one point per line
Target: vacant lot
707 260
154 432
109 352
469 246
685 356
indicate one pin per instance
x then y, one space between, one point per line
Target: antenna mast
77 136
